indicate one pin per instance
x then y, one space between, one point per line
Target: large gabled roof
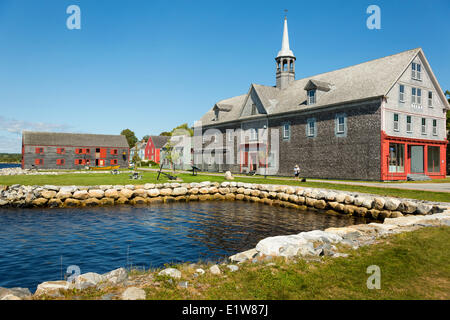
358 82
73 139
159 141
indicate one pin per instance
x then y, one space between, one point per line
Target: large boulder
271 246
112 193
14 293
81 195
243 256
96 193
116 276
321 236
52 288
392 204
88 280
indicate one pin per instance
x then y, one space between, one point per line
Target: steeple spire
285 51
285 61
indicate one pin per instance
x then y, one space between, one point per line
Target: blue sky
152 65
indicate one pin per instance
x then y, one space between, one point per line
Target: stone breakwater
33 172
310 245
329 201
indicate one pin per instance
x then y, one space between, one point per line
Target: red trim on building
408 142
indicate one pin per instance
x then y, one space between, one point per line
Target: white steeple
285 51
285 61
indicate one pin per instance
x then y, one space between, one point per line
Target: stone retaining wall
374 207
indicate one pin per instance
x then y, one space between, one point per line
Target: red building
154 146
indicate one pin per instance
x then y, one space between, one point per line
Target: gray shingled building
379 120
52 150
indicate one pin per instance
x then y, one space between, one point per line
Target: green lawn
88 179
413 265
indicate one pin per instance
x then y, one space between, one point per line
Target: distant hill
10 157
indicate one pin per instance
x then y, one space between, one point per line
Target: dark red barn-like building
51 150
154 146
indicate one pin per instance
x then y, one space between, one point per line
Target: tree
131 137
171 154
180 130
145 138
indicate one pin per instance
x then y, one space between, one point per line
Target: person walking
296 171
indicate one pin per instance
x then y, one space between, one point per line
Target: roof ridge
354 65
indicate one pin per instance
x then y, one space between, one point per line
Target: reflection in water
38 245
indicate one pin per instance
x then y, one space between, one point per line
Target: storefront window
396 157
433 159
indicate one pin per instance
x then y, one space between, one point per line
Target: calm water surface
9 165
38 245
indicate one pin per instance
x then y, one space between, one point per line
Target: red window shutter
36 161
58 161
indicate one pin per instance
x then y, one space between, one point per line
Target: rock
39 202
62 195
200 271
424 209
153 192
215 270
228 176
171 272
378 203
340 255
51 188
126 193
166 192
320 204
92 202
69 202
138 200
107 296
183 284
232 267
52 288
243 256
112 193
19 293
88 280
54 203
81 195
133 293
325 250
116 276
95 193
142 193
321 236
392 204
67 189
179 191
272 245
407 207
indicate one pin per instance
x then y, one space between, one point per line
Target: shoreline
326 200
306 246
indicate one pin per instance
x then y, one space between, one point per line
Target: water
38 245
10 165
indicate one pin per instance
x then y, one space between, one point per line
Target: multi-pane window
311 97
396 127
401 94
113 151
230 135
396 157
416 71
341 124
311 128
433 159
60 150
286 131
60 162
416 96
430 98
408 124
114 161
39 150
424 126
38 162
434 127
253 134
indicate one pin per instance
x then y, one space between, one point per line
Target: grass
90 179
414 265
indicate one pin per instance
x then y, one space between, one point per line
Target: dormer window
216 114
311 97
416 71
253 109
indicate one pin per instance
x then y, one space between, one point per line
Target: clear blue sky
152 65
